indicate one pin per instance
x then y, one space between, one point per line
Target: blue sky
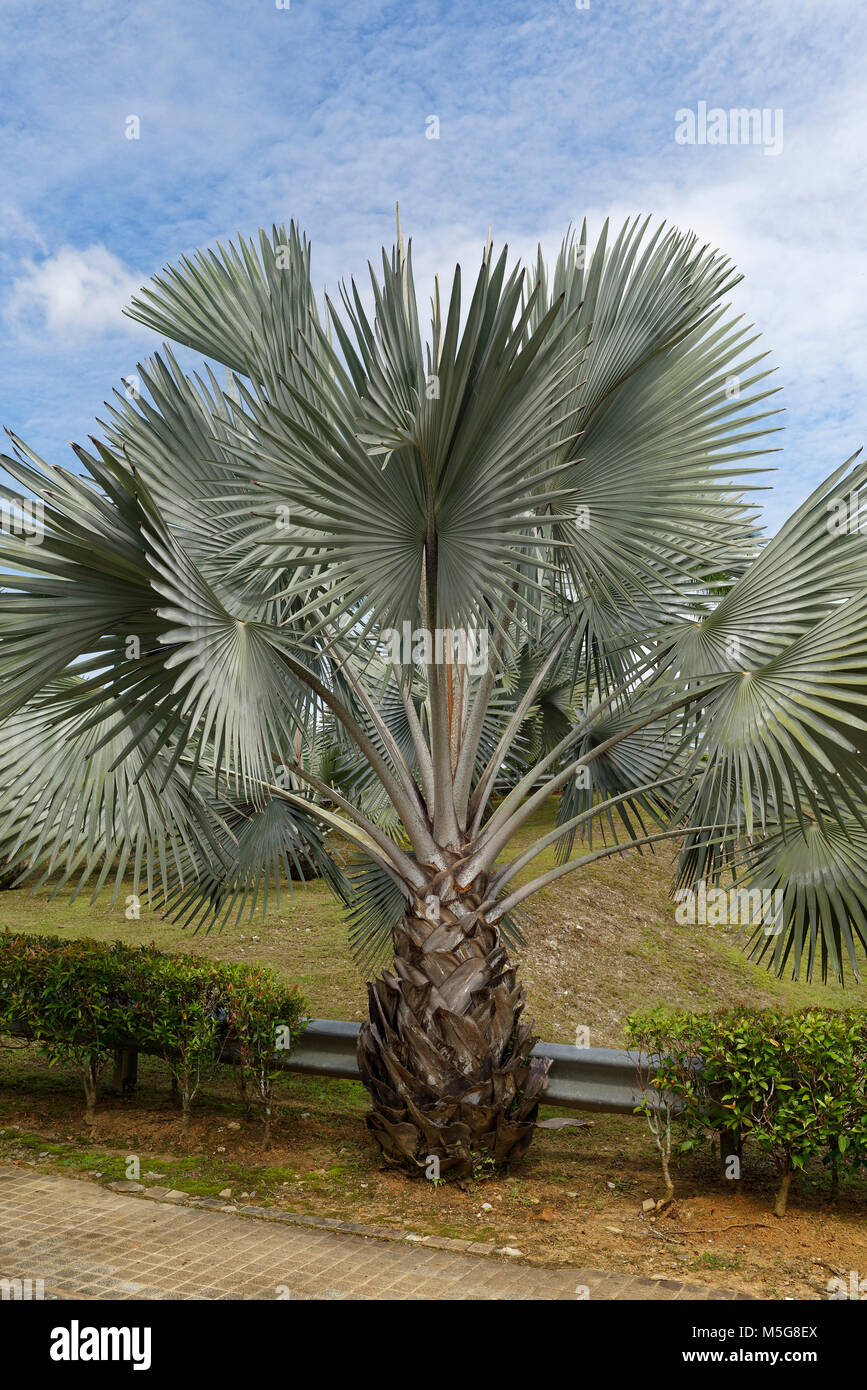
250 114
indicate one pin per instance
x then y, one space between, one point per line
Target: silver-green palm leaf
226 601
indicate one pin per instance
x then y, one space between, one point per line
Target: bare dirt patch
576 1201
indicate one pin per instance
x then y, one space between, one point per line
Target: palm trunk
445 1054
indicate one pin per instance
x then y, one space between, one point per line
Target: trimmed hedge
83 1000
794 1086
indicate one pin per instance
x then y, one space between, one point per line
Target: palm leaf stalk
407 590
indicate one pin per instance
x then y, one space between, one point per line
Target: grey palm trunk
445 1054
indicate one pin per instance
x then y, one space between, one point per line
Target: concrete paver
84 1241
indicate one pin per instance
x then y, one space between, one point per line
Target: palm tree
405 591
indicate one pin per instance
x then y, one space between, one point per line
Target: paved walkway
87 1242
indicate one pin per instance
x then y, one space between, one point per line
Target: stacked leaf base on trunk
445 1054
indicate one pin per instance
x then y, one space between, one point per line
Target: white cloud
72 294
796 231
15 227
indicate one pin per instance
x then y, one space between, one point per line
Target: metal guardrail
592 1078
327 1047
580 1078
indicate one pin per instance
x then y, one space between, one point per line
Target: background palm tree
236 636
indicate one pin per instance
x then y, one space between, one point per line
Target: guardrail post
125 1074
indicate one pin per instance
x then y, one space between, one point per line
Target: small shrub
794 1086
83 999
261 1017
